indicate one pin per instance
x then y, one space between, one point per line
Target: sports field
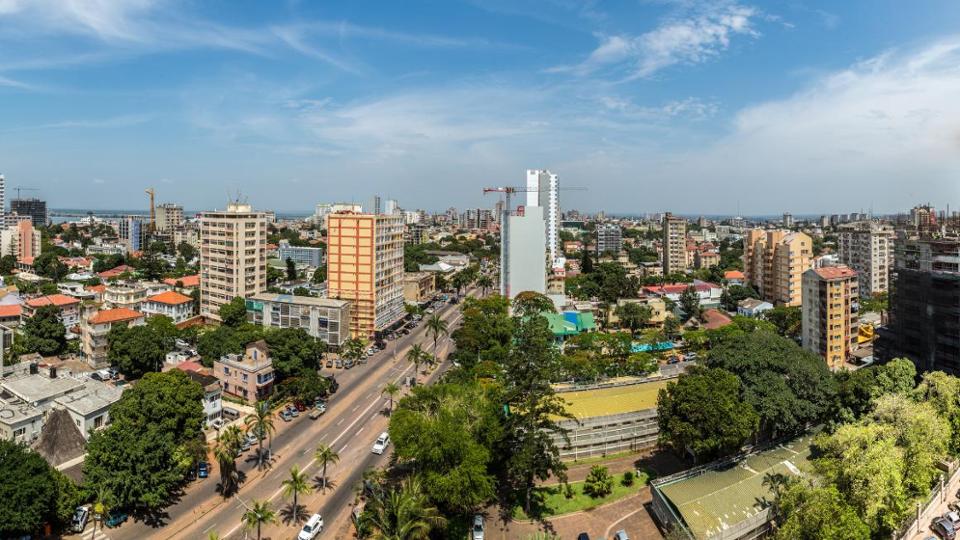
617 400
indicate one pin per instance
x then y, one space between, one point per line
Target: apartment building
365 267
233 256
674 244
169 217
302 255
33 208
774 262
248 376
212 396
867 247
543 190
95 329
924 318
323 318
830 313
21 240
609 238
524 266
419 287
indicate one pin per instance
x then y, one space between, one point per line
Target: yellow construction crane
153 211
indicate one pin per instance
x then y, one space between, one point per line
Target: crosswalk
89 534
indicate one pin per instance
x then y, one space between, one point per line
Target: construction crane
153 211
18 189
508 192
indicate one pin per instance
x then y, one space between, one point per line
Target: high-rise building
674 244
787 220
169 217
3 196
544 191
867 247
391 207
132 232
33 207
324 209
233 256
609 238
521 250
830 313
365 267
20 240
476 218
923 217
924 318
774 262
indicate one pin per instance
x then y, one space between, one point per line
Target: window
19 432
98 422
244 377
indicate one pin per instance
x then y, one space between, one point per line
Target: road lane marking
341 421
342 450
208 528
358 431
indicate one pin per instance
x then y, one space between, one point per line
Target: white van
382 442
312 528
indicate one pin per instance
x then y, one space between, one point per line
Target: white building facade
524 267
544 191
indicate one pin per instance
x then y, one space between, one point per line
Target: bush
628 478
568 491
599 483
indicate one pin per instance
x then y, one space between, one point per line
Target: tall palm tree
391 389
258 515
437 327
415 356
260 423
295 485
101 507
326 456
484 282
228 443
403 513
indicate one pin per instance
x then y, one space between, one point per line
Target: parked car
478 527
232 414
317 413
311 528
334 385
329 363
300 406
251 438
673 360
293 412
203 469
285 416
339 364
944 529
217 424
245 445
115 518
80 517
690 356
621 535
954 519
381 444
583 536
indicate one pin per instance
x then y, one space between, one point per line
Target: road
354 418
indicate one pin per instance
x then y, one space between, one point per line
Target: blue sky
683 105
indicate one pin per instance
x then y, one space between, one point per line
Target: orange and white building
95 329
20 240
68 306
774 262
365 267
178 307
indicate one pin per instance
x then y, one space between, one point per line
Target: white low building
178 307
212 396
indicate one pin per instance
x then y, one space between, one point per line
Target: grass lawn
616 400
552 501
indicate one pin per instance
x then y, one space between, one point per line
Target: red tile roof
11 310
58 300
714 318
170 297
96 288
190 365
110 316
733 274
113 272
835 272
26 260
187 281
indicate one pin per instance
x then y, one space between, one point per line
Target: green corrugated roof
559 326
586 321
721 498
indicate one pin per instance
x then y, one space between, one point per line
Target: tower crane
153 211
508 192
18 189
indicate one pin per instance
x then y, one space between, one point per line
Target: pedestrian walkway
89 534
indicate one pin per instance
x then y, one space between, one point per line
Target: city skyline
844 107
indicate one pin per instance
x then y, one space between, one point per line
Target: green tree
633 315
436 327
258 514
44 333
486 332
293 486
811 512
28 492
942 392
291 270
403 512
702 414
786 319
140 349
391 390
326 455
234 313
690 302
598 483
485 283
923 435
528 303
7 264
586 262
260 424
49 266
293 350
671 327
733 294
319 275
353 349
227 449
415 355
186 251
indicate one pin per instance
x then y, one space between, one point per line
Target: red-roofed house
709 293
116 271
68 306
10 314
185 282
94 331
178 307
734 277
97 290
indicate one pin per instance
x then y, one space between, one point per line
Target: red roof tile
58 300
186 281
835 272
170 297
110 316
733 274
11 310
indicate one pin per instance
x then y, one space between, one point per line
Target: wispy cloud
689 39
121 121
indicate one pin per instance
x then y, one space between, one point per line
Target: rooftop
615 400
58 300
723 496
10 310
835 272
110 316
172 298
714 318
186 281
95 396
733 274
303 300
39 388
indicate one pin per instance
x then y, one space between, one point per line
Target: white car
382 442
478 527
312 528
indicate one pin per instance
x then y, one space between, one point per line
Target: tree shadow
229 488
318 483
290 515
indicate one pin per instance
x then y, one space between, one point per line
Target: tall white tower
3 200
544 192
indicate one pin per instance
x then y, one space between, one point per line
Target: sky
690 106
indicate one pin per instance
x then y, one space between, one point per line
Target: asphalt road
354 418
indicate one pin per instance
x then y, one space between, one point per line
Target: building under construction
924 321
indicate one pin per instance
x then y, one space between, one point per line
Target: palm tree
258 515
213 536
484 282
228 443
437 327
101 507
260 423
403 513
391 389
326 456
415 356
295 485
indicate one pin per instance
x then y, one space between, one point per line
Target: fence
927 511
602 435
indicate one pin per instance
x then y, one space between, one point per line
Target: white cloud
689 39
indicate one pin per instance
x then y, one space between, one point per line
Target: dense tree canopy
136 350
234 313
32 492
811 512
43 333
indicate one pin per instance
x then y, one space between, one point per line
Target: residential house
248 376
95 329
212 396
418 287
68 307
178 307
751 307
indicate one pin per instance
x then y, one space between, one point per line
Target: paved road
353 420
